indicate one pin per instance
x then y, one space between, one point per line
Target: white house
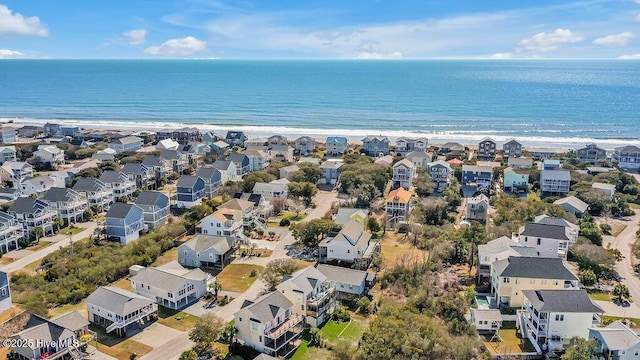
271 190
555 182
7 153
107 154
549 239
419 158
403 173
305 145
351 244
607 189
127 143
208 251
440 173
49 154
10 232
573 206
616 341
258 159
119 310
167 144
499 249
225 222
486 320
478 208
312 294
348 283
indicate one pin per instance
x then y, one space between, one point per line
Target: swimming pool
482 301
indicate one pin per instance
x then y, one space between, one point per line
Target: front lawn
606 320
352 330
600 296
176 319
40 245
291 216
70 230
256 252
117 347
237 277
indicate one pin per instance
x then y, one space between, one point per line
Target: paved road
172 349
623 242
58 241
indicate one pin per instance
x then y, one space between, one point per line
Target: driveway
623 242
157 334
611 309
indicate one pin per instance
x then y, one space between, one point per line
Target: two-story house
419 158
190 191
32 213
351 245
337 145
440 173
10 232
95 191
50 155
158 167
511 148
305 145
331 170
616 341
276 140
312 294
118 310
207 251
119 183
209 137
487 148
511 276
228 170
171 285
348 283
258 159
450 147
403 173
15 172
5 292
555 182
69 130
499 249
271 190
127 143
515 180
553 317
179 161
269 325
124 222
225 222
7 135
479 175
51 129
235 138
155 207
140 174
405 145
212 180
247 209
242 162
167 144
398 206
68 203
375 145
628 157
281 153
591 154
477 208
182 136
550 240
7 153
521 162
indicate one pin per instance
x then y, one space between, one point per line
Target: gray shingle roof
306 280
203 242
567 301
222 164
88 184
134 168
573 202
119 210
111 176
153 161
127 140
545 231
618 336
343 275
187 181
534 267
152 198
267 307
26 205
118 300
167 280
206 172
72 320
57 194
42 329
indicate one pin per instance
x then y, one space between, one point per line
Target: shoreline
354 135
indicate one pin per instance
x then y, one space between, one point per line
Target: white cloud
177 47
16 24
630 57
10 54
544 42
638 17
135 36
614 40
378 55
502 56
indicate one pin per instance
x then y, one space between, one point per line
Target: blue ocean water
448 98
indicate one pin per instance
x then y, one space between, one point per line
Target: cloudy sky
320 29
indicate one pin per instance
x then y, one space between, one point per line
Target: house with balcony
555 182
405 145
515 180
628 157
544 153
155 208
450 147
499 249
616 341
549 240
271 190
159 168
51 129
68 203
30 131
32 213
375 145
190 191
331 170
127 143
207 251
511 148
36 185
591 154
5 292
352 245
283 153
69 130
574 206
171 285
182 136
242 162
236 138
274 140
263 207
7 153
15 172
269 325
337 145
398 206
348 283
305 145
179 160
258 159
440 173
247 209
477 208
404 171
95 191
63 337
118 310
512 276
119 183
224 222
140 174
228 170
520 162
124 222
212 180
107 154
479 175
420 159
209 137
487 148
7 135
552 317
10 232
50 155
312 294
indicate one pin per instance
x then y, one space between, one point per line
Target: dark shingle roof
206 172
576 301
152 161
222 164
88 184
152 198
26 205
545 231
187 181
111 176
133 168
119 210
57 194
534 267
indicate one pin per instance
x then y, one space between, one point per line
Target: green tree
38 232
276 270
423 184
621 291
207 330
590 230
308 173
373 225
588 277
310 233
254 177
215 287
304 190
581 349
315 337
58 222
229 334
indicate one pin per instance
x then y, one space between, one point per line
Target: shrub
341 314
285 222
364 305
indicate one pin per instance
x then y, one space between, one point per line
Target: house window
559 317
4 292
185 253
210 256
348 251
170 295
636 353
505 280
539 241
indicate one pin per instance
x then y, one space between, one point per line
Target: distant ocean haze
554 102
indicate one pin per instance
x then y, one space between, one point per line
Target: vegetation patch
121 349
71 230
178 320
41 245
238 277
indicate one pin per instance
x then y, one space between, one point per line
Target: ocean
545 102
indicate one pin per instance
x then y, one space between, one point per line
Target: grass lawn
6 260
70 230
237 277
306 352
393 248
262 252
600 296
10 312
291 216
119 348
41 245
273 224
167 257
123 284
606 320
81 307
176 319
511 343
333 331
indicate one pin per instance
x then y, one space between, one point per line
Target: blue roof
337 139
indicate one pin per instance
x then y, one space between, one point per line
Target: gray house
243 164
330 172
208 251
487 148
511 148
616 341
119 310
591 154
375 145
124 221
95 191
212 180
33 213
5 292
235 138
155 206
305 145
337 145
349 283
191 191
139 173
69 203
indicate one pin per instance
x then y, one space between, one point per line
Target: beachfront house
351 245
95 191
511 148
124 222
305 145
487 148
155 208
555 182
30 131
403 173
15 172
544 153
182 136
616 341
337 145
207 251
118 310
312 294
405 145
51 129
5 292
499 249
551 318
511 276
33 213
348 283
127 143
520 162
209 137
274 140
235 138
269 325
7 135
223 222
10 233
212 178
331 170
440 173
591 154
515 180
450 147
7 153
119 183
190 191
375 145
628 157
68 203
69 130
477 208
419 158
479 175
398 206
171 285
